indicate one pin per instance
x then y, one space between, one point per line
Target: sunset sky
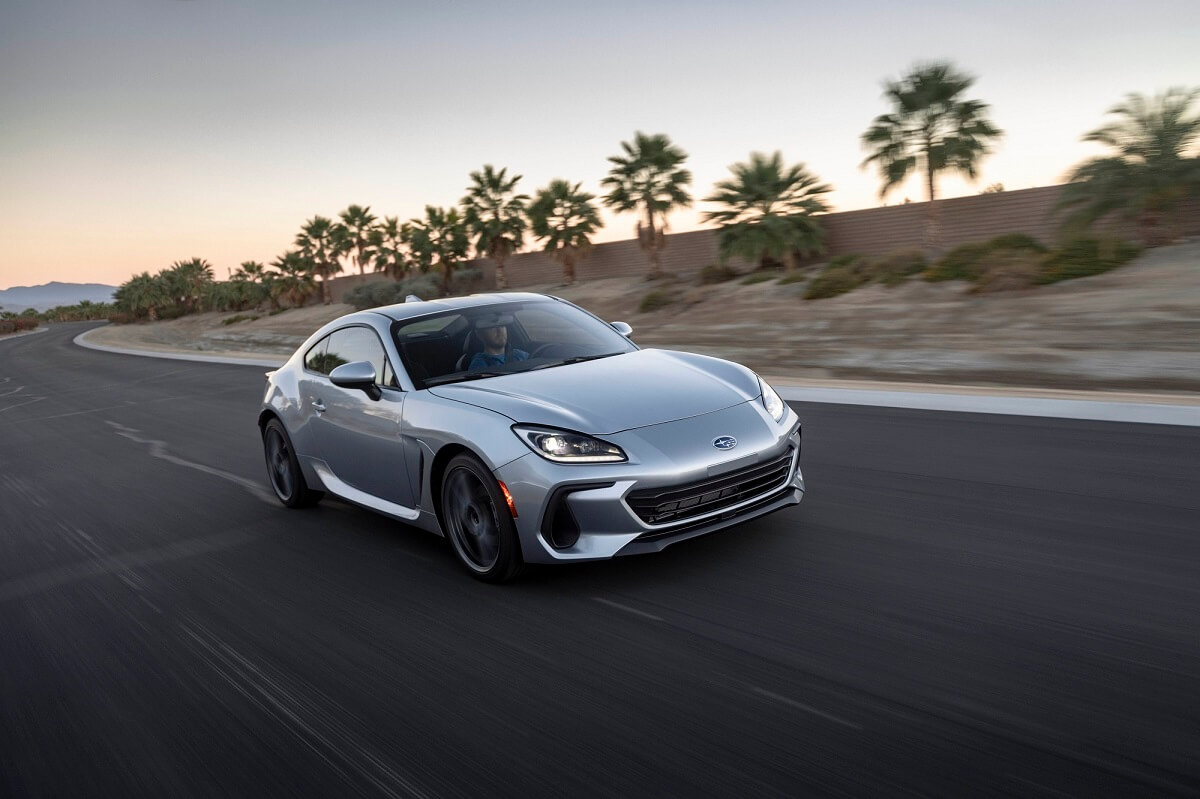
137 132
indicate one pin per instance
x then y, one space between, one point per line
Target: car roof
411 310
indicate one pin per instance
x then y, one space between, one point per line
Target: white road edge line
804 707
1092 410
627 609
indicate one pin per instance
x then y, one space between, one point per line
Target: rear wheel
283 468
478 523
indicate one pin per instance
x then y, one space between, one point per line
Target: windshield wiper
437 381
576 359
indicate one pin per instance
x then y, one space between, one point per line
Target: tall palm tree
354 232
564 217
295 281
931 128
495 215
387 246
439 241
318 241
769 211
649 179
1155 168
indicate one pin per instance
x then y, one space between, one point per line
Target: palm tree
354 233
495 215
564 217
295 281
250 271
318 241
439 241
930 128
769 211
387 245
252 282
188 282
141 295
1155 168
649 179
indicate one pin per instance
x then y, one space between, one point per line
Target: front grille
676 503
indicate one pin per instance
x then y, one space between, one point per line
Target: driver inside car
493 334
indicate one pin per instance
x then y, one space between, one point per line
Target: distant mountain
51 295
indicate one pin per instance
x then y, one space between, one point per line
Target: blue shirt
483 360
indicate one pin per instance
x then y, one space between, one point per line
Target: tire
477 522
283 468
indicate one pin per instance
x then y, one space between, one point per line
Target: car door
356 436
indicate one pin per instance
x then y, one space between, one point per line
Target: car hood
605 396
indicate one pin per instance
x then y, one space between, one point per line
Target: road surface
964 605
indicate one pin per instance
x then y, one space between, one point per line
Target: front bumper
584 512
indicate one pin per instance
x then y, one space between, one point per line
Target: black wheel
283 468
477 521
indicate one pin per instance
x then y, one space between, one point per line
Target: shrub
654 300
716 273
896 267
1083 257
390 292
170 312
1016 241
424 286
843 274
17 324
121 318
794 276
464 280
961 263
233 320
758 277
1009 271
969 261
364 295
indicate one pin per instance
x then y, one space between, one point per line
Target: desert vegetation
767 213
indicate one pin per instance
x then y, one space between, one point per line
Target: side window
352 344
314 359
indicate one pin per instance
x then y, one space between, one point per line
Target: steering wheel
543 349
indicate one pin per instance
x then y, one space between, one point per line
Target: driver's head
494 338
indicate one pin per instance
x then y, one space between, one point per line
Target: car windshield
501 339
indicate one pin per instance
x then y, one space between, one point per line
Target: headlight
562 446
771 401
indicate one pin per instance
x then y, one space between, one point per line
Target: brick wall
871 231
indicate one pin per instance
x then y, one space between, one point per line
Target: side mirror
360 375
622 328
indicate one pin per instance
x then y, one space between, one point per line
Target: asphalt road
964 605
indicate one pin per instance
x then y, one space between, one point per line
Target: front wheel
283 468
477 521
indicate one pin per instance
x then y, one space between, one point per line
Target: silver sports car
525 430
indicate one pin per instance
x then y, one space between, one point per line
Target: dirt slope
1137 327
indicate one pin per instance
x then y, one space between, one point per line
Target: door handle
318 406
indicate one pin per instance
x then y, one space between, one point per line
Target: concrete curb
1094 410
274 363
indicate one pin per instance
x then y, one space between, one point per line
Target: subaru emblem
725 442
